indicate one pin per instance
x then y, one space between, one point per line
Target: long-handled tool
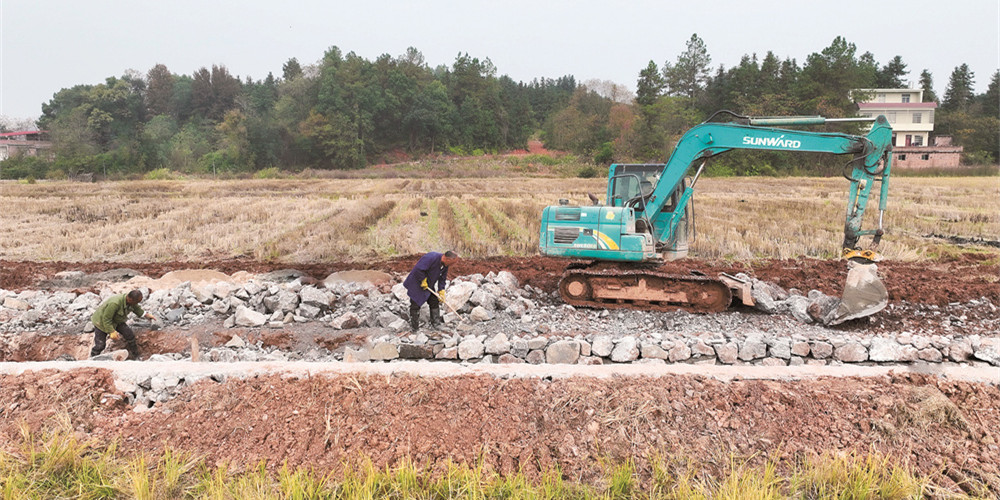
452 309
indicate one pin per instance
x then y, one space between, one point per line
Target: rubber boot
133 351
435 317
414 322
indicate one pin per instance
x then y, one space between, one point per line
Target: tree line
672 97
347 112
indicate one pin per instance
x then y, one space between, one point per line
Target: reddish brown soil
938 282
49 345
531 424
534 148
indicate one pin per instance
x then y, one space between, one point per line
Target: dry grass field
309 220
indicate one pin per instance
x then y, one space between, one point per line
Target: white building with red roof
29 142
912 122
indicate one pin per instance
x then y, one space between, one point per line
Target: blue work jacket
428 267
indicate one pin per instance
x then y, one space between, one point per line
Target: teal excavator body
645 217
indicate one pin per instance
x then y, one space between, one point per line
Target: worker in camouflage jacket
110 317
426 283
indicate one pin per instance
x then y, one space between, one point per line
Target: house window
918 140
925 156
906 97
917 117
902 157
892 117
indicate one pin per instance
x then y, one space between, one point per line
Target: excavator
646 221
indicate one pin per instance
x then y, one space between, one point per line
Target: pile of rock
145 391
496 319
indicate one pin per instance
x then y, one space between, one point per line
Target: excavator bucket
864 293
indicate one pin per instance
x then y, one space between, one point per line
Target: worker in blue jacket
430 272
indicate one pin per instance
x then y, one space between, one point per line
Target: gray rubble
500 321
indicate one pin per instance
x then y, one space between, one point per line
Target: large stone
458 294
204 293
680 352
727 353
780 348
700 348
309 310
652 351
800 348
821 350
399 325
930 354
823 308
752 348
768 297
287 301
482 297
510 359
119 355
883 350
537 343
799 307
447 353
346 320
602 346
360 355
960 351
471 348
851 352
399 291
249 317
236 342
508 281
383 351
563 352
220 307
773 362
412 351
315 297
16 304
535 357
626 350
386 318
988 350
174 315
480 313
499 344
31 317
85 302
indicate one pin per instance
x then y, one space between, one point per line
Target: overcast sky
48 45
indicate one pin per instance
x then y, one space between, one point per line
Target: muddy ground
943 428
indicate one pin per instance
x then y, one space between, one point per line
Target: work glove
423 284
113 334
441 294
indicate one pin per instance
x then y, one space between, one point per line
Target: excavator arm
870 163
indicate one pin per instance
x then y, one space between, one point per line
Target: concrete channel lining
138 370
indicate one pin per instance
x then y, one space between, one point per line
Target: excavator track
644 290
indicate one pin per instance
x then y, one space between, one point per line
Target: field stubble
320 220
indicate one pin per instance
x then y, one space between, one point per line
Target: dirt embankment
938 426
938 282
